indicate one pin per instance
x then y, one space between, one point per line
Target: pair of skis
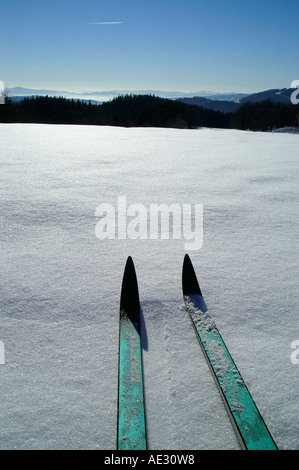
247 421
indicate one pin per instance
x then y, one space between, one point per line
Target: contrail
109 22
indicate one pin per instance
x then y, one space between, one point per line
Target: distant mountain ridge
152 111
275 95
110 94
224 102
215 105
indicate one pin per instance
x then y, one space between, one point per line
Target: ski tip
129 263
189 279
129 299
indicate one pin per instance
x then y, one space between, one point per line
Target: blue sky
173 45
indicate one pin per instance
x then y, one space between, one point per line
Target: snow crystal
60 285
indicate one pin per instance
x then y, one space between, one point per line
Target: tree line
148 111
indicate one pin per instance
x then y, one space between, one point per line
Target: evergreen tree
147 110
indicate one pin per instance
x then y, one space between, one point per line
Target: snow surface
60 285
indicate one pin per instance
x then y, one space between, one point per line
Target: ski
131 429
247 421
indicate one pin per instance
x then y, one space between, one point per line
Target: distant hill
276 95
101 96
152 111
224 96
223 102
215 105
18 99
126 111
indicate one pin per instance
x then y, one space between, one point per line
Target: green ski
131 429
248 423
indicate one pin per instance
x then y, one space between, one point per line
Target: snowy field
60 284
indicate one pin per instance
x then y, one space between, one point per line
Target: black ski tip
129 299
189 279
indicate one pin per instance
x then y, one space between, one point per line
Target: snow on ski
248 423
131 430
